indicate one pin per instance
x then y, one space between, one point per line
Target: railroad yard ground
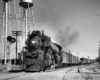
83 72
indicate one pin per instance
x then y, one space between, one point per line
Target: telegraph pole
77 57
88 59
16 33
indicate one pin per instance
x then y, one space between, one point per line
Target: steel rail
86 76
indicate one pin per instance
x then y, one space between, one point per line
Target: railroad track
85 75
15 74
77 70
64 77
51 70
11 76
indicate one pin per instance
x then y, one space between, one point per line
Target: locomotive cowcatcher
40 53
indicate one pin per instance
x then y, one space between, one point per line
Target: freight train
86 61
40 54
69 59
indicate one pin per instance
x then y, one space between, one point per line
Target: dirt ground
87 72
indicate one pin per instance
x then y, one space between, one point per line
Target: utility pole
16 33
77 57
88 59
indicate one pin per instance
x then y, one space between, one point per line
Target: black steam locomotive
40 53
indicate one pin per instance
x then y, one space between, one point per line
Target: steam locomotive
40 53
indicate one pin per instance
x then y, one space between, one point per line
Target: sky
74 24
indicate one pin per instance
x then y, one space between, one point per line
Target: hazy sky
74 24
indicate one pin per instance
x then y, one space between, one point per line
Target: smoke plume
66 38
52 13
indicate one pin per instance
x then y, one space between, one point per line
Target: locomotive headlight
33 42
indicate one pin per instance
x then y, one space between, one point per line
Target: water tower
26 4
5 28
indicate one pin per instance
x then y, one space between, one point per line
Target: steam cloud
66 39
52 13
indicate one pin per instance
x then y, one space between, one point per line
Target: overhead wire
79 17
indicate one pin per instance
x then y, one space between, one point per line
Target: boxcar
64 58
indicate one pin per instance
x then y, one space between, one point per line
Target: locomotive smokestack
69 52
42 32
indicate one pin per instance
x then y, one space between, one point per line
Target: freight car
75 60
40 53
86 61
65 59
68 59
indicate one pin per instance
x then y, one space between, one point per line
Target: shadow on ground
16 71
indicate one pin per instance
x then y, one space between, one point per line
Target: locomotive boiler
40 53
